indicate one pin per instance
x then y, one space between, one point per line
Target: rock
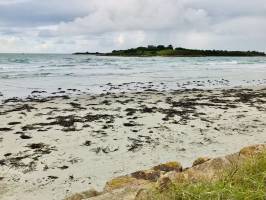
75 197
118 194
252 150
208 170
138 185
25 137
173 176
84 195
170 166
119 182
143 194
200 160
90 193
163 183
150 175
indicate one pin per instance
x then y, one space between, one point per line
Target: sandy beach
54 146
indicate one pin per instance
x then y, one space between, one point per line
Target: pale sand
181 126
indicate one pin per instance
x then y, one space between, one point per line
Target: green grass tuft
244 182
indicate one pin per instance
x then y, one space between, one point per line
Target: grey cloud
103 25
35 12
137 15
229 8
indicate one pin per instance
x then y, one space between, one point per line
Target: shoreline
68 144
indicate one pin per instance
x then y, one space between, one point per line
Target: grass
245 182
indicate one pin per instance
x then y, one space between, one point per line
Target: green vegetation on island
170 51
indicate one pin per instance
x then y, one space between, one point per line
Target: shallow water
22 73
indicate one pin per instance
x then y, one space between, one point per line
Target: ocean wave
19 60
66 65
73 71
27 75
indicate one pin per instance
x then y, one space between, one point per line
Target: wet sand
54 146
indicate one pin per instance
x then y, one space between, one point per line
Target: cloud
7 2
35 13
103 25
134 15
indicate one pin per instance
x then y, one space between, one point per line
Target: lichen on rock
119 182
170 166
252 150
150 175
200 160
84 195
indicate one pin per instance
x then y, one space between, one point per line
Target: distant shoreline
170 51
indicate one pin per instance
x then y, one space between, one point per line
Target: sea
20 74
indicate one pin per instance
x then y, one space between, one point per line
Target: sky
66 26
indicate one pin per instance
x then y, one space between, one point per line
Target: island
170 51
